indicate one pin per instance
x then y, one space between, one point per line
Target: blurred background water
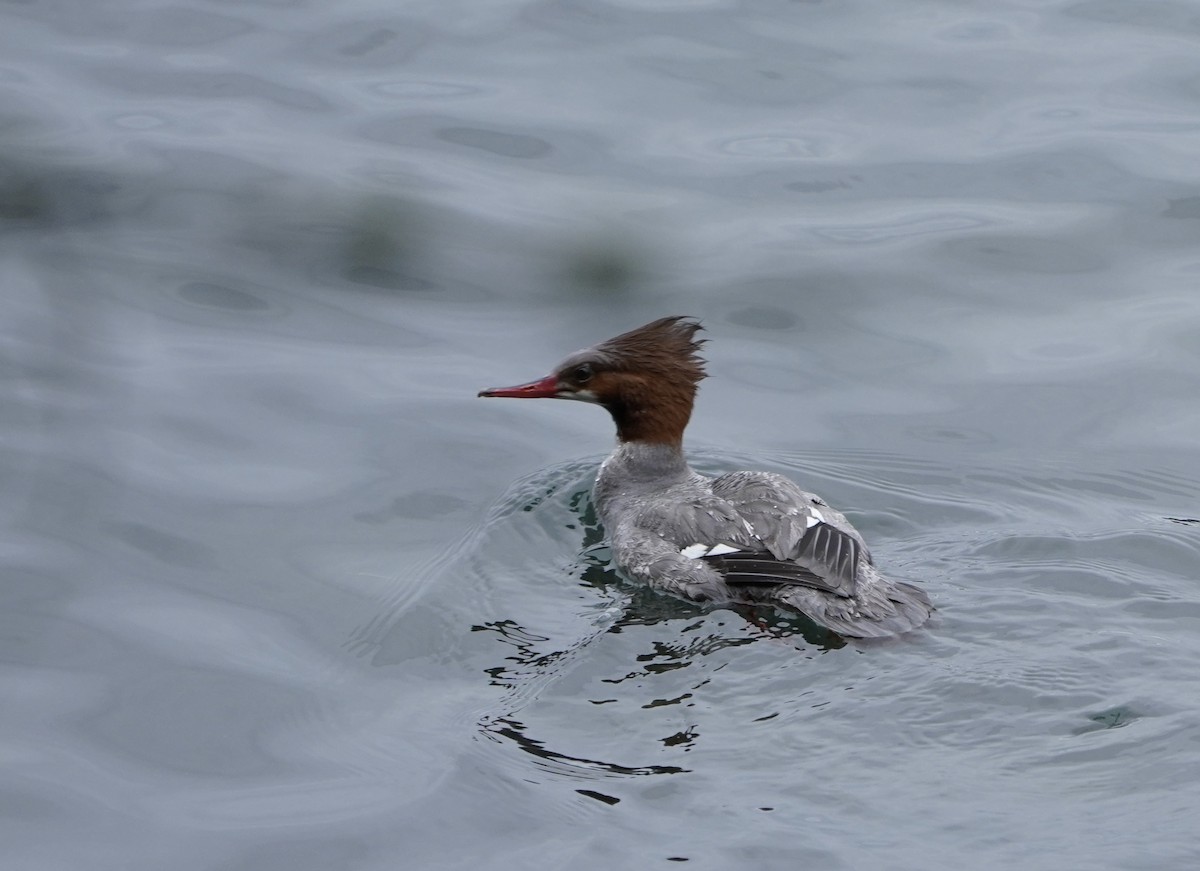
280 593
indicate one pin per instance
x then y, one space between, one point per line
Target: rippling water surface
280 593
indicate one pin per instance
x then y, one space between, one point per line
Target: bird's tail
887 608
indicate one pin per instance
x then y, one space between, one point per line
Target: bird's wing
805 541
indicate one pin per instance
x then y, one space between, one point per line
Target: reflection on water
689 639
561 763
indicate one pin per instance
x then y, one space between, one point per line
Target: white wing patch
696 551
814 517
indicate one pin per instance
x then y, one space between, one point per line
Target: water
280 593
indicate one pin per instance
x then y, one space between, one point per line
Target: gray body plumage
765 541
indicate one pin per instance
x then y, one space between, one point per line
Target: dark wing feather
796 526
836 552
761 569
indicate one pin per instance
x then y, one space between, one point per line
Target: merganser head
646 378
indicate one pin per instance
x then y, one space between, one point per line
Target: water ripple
208 85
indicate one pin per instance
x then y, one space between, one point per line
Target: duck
745 537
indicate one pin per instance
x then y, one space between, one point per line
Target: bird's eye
582 373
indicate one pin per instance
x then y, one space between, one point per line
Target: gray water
280 593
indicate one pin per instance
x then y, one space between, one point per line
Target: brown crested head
667 347
646 378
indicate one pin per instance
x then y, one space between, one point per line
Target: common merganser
745 537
